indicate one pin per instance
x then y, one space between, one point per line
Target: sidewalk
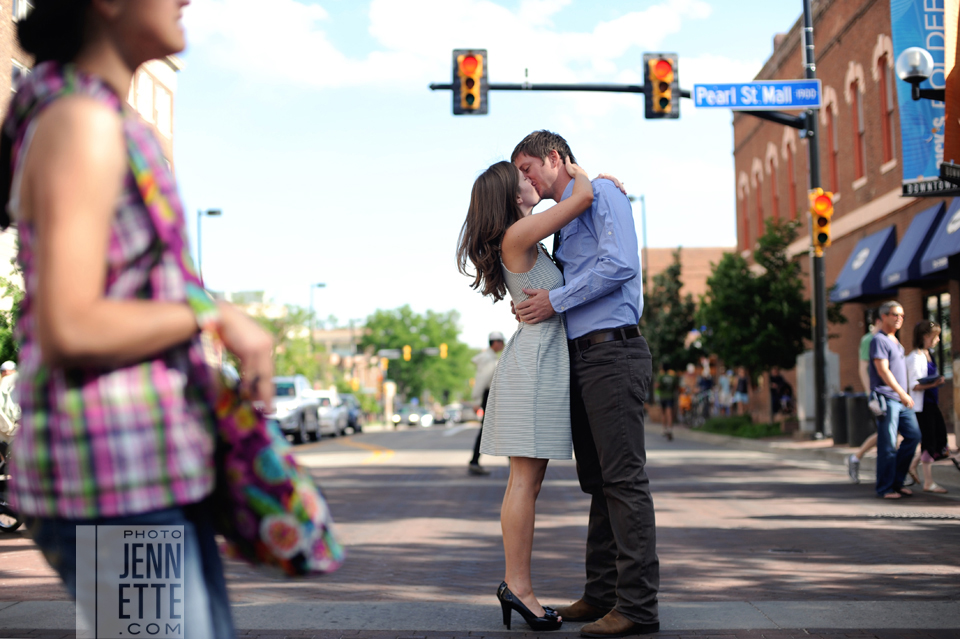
944 472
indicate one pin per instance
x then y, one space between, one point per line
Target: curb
944 474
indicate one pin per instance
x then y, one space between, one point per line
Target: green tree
668 317
760 320
9 349
394 329
294 354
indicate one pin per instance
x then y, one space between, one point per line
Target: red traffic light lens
662 69
822 203
468 66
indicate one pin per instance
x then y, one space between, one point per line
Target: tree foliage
9 349
293 353
394 329
668 317
759 320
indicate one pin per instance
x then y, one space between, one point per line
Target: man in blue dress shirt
610 376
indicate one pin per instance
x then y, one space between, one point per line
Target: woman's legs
516 521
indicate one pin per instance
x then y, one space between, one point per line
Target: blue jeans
893 463
206 611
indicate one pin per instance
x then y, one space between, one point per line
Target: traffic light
661 86
384 363
406 353
470 81
443 351
821 210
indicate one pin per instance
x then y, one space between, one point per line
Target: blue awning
861 274
945 242
904 265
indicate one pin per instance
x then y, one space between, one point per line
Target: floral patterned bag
268 509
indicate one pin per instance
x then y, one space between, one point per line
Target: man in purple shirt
888 379
610 375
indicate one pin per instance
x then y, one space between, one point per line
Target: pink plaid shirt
105 442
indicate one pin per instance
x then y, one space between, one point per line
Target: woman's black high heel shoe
509 602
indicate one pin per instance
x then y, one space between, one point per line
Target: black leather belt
622 333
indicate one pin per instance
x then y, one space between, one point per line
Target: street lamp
313 319
643 226
915 65
200 214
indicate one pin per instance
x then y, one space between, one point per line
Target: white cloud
416 36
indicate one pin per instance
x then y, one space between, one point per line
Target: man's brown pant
609 384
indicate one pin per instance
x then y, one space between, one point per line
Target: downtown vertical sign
923 123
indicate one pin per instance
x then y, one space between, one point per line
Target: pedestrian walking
116 425
528 409
924 381
9 409
726 396
778 391
667 386
888 382
611 370
486 363
741 396
853 461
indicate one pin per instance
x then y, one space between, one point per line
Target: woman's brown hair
493 208
922 329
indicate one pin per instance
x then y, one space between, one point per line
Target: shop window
833 139
938 310
793 184
774 190
145 96
887 104
21 8
17 72
859 144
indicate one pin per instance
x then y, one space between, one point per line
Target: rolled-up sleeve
617 253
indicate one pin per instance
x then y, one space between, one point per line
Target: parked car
331 413
354 412
412 415
459 413
295 408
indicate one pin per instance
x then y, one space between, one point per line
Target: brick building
151 95
860 160
696 266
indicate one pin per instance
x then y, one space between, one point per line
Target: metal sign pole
819 300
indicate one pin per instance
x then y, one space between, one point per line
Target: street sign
758 96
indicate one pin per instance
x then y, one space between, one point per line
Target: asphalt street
751 542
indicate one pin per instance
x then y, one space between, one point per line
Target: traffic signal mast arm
527 86
795 121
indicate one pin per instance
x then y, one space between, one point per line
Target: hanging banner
922 23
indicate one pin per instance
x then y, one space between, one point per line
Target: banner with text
921 23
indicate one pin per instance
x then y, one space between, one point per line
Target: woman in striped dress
528 411
116 426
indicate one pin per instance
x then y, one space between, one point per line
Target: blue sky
310 124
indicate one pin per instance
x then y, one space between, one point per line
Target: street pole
643 227
313 317
819 301
200 214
